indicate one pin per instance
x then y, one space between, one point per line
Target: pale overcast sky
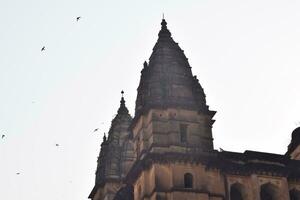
245 54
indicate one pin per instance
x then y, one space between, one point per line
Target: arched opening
268 191
295 194
237 192
188 180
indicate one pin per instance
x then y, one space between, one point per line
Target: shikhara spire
167 80
112 148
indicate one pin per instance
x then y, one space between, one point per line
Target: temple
165 151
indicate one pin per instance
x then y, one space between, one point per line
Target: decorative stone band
226 162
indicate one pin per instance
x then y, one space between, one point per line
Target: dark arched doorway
237 192
268 191
295 194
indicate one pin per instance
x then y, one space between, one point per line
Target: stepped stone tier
166 152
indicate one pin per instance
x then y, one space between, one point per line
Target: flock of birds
57 145
3 136
77 19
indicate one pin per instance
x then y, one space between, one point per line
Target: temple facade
165 151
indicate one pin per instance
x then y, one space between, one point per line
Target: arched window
188 180
295 194
268 191
237 192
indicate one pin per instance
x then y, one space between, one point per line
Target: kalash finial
122 99
164 32
163 24
122 108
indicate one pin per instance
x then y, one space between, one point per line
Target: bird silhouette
96 129
57 145
2 136
78 18
18 173
43 48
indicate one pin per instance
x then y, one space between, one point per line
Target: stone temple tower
116 156
166 151
171 114
172 125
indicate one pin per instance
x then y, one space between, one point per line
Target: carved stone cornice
244 164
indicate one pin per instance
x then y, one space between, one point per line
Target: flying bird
57 145
43 48
96 129
18 173
2 136
78 18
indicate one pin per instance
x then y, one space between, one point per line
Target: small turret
110 172
145 64
104 138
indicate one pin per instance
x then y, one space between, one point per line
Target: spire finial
122 99
122 108
163 16
164 32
